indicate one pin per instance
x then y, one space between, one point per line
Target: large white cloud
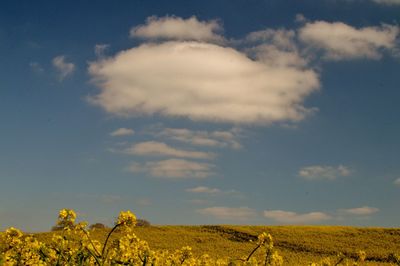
176 28
296 218
201 81
340 41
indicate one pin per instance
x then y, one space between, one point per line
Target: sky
200 112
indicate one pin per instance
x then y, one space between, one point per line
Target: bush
142 222
97 226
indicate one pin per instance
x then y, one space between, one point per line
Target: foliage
97 226
142 222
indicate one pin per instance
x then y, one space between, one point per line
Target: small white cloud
387 2
340 41
176 28
100 49
318 172
203 138
154 148
202 189
122 132
300 18
296 218
361 211
214 191
63 67
242 213
397 182
173 168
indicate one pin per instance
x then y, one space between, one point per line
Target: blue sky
199 112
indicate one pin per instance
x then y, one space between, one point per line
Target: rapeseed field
127 244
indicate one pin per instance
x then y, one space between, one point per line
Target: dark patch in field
229 233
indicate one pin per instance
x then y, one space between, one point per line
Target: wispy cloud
365 210
122 132
318 172
387 2
213 191
296 218
176 28
340 41
290 217
223 138
202 189
173 168
63 67
154 148
100 49
36 67
241 213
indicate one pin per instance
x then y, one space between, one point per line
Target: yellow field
299 245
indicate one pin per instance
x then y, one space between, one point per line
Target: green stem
91 242
108 236
251 254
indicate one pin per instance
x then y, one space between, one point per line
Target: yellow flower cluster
73 245
126 218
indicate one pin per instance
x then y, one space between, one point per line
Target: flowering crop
73 245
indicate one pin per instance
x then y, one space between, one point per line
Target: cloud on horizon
365 210
296 218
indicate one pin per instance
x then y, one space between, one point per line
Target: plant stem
251 254
108 236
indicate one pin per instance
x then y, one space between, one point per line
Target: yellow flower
126 218
67 215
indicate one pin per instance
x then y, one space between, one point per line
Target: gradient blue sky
239 111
